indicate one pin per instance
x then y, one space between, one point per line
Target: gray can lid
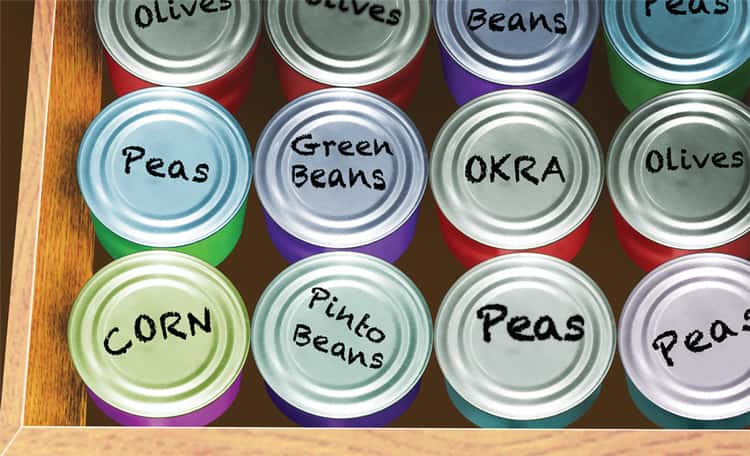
339 217
517 57
516 214
188 51
687 294
524 380
344 48
170 124
321 383
696 208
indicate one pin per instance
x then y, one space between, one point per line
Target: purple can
542 45
340 169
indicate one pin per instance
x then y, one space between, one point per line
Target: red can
321 44
208 47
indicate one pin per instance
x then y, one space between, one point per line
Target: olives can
342 339
159 338
683 340
373 46
340 169
541 45
515 170
524 341
166 168
679 179
659 46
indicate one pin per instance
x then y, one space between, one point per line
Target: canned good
658 46
166 168
542 45
524 340
684 333
342 339
206 46
374 46
340 169
679 179
515 170
159 339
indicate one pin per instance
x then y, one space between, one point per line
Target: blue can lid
164 167
685 43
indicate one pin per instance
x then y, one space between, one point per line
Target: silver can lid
347 44
678 169
164 167
684 333
516 169
340 168
564 319
341 335
516 42
178 43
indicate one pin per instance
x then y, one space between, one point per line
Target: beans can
679 179
166 168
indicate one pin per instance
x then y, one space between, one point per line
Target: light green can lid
158 334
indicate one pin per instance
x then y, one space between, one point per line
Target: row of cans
654 46
341 339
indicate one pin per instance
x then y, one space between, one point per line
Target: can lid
347 44
524 336
341 335
158 334
516 169
673 44
516 42
164 167
175 43
684 333
678 169
340 168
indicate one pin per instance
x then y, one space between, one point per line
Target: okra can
683 341
655 47
678 177
515 170
166 168
342 339
541 45
524 340
159 338
340 169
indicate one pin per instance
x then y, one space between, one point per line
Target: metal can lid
516 169
347 44
678 169
524 336
516 42
176 43
164 167
158 334
683 336
685 43
341 335
340 168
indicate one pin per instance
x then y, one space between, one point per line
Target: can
373 46
683 338
524 341
159 338
655 47
515 170
342 339
678 177
541 45
340 169
206 46
165 168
